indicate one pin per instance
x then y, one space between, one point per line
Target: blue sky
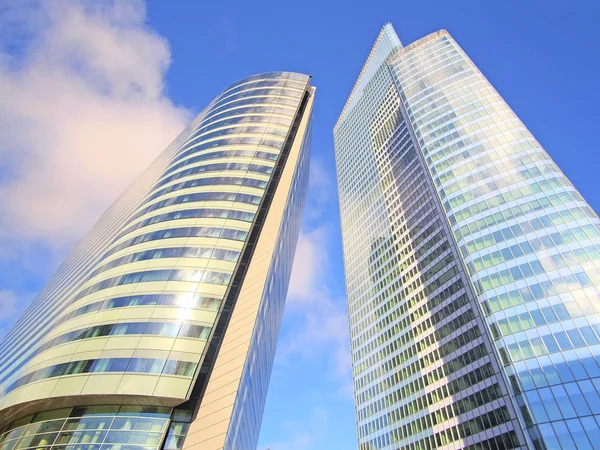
83 82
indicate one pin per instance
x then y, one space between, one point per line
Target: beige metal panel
47 362
198 316
72 385
121 342
188 292
185 345
116 346
102 383
208 430
172 386
142 384
193 356
62 352
149 264
29 392
214 442
158 343
106 316
106 384
202 317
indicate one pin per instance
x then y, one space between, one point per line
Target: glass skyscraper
159 330
472 263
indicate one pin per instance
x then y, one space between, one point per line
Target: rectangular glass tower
472 263
160 328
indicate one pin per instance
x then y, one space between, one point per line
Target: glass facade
99 427
471 263
141 312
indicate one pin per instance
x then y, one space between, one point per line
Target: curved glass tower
472 263
159 330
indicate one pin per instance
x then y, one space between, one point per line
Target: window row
545 242
541 222
216 167
170 252
582 434
246 92
404 408
406 388
211 181
536 318
222 154
548 343
108 365
505 197
274 101
211 125
531 206
443 437
190 275
564 401
206 141
260 81
98 417
187 301
166 329
208 213
544 289
201 197
245 111
182 232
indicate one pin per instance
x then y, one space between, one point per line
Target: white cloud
83 111
322 192
322 321
310 261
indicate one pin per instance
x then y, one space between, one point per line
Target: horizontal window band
216 167
182 232
166 329
170 252
201 197
186 300
211 181
268 156
109 365
190 275
208 213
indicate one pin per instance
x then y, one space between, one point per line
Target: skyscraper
472 263
160 328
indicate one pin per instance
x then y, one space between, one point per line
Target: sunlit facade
471 263
160 328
